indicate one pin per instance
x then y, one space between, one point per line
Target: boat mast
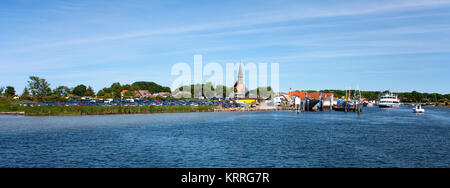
350 94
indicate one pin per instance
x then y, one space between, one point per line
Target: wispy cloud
371 7
294 13
112 37
412 30
336 54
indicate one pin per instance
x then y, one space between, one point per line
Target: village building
142 94
122 93
312 95
137 93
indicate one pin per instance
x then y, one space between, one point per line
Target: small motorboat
418 109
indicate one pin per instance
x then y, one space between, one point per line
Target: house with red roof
312 95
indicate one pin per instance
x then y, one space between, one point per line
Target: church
240 91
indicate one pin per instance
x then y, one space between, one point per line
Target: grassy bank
98 110
6 106
104 110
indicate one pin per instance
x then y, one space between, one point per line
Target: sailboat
349 104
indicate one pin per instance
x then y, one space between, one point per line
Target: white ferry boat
389 100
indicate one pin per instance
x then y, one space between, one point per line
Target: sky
370 45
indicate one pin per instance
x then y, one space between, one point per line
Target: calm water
376 138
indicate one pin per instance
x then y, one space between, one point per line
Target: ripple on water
376 138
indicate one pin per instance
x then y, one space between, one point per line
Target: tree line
114 91
38 89
209 91
413 96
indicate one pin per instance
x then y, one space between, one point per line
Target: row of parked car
137 102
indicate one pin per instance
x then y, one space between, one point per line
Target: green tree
223 89
416 96
107 90
130 94
79 90
101 93
108 95
208 90
405 97
10 91
130 87
150 86
1 90
62 91
264 92
26 92
116 88
90 92
434 97
126 87
39 87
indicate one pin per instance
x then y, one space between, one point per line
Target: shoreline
156 112
443 106
218 109
12 113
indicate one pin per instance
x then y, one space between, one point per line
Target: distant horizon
396 45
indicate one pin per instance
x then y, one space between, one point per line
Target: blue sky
373 45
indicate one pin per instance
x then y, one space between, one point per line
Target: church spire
241 90
241 74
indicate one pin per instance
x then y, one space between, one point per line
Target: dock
13 113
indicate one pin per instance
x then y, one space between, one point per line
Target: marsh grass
7 106
104 110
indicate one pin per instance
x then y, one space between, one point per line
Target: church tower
240 89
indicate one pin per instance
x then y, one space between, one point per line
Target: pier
318 101
12 113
